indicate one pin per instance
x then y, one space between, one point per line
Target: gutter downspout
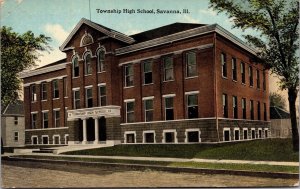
215 85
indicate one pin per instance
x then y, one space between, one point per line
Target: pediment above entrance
103 111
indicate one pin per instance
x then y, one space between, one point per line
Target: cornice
40 71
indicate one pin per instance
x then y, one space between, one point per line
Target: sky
57 18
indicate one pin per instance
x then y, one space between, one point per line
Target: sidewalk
296 164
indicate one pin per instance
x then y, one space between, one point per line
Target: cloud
189 19
133 31
2 2
19 1
209 12
48 58
57 32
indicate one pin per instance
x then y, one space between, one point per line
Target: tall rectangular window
265 111
225 105
168 72
16 120
191 64
128 69
147 68
88 64
100 60
251 110
192 106
244 108
76 97
264 81
258 110
235 107
257 79
169 108
45 120
224 64
243 72
56 118
89 97
33 93
250 75
16 136
55 89
33 120
75 67
148 106
44 91
65 86
66 117
233 66
102 95
130 112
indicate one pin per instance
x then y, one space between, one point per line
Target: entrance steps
76 147
44 150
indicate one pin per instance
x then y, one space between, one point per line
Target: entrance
102 129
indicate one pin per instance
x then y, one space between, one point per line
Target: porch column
96 130
84 141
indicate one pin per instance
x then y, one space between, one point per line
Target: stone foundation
61 132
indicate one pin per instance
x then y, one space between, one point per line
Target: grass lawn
264 150
226 166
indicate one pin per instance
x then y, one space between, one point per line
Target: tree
276 21
277 100
18 53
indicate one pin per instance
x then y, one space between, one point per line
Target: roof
278 113
15 108
163 31
54 63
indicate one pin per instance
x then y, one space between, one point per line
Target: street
32 174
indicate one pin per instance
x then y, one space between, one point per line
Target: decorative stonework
104 111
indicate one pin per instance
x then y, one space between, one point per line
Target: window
148 104
34 140
226 134
245 134
192 106
16 136
45 140
251 110
128 75
130 138
224 65
45 120
149 137
169 108
243 72
236 134
76 99
130 112
257 79
259 133
33 120
168 69
44 91
100 60
225 105
16 120
235 107
193 136
102 95
56 118
86 39
265 111
250 75
75 67
233 66
33 93
266 133
252 133
66 117
87 64
147 66
56 139
65 86
244 108
169 137
191 64
264 80
55 89
258 110
89 97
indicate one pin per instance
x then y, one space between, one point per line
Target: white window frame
253 129
126 111
125 136
100 95
16 136
260 129
74 98
45 136
65 137
226 129
169 131
165 109
144 136
86 65
192 130
236 129
126 85
187 94
43 120
86 88
37 139
164 69
54 116
53 139
145 111
31 121
266 129
245 129
187 65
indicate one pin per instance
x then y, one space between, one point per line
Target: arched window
87 65
100 60
75 66
86 39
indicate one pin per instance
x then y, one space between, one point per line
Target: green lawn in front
223 166
263 150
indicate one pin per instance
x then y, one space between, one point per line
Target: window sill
243 84
192 77
33 101
87 74
55 98
43 100
168 81
75 77
65 97
234 81
224 77
101 72
128 87
148 84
